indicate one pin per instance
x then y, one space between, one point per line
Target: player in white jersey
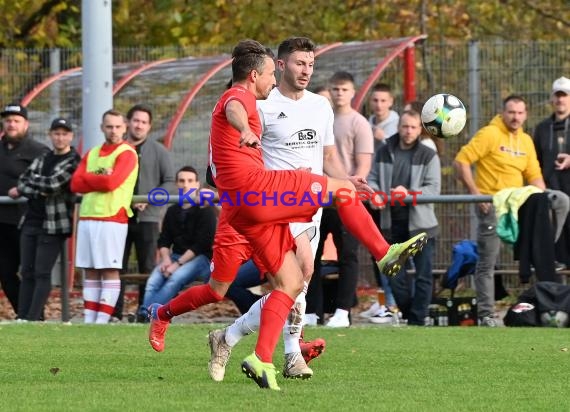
297 133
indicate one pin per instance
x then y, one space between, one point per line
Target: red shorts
283 196
230 251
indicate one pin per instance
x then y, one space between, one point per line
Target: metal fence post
63 281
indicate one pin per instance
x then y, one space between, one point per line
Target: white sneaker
310 319
383 316
373 310
338 321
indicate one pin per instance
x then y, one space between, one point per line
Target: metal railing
65 286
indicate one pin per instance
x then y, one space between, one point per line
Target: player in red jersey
238 168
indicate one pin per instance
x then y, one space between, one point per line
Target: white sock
91 295
294 323
246 324
110 290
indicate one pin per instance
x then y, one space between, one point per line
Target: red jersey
231 164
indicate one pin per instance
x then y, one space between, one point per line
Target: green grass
112 368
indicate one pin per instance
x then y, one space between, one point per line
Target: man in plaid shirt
48 220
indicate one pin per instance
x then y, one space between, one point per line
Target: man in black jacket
552 142
185 246
17 151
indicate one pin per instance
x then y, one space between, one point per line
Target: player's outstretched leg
398 254
157 328
220 353
261 372
189 300
360 224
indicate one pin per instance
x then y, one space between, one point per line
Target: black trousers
144 236
39 252
347 249
10 262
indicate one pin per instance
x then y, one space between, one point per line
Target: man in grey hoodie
404 165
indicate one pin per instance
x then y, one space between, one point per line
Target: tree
57 23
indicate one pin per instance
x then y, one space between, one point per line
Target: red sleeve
78 180
124 165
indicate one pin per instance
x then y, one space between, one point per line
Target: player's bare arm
237 117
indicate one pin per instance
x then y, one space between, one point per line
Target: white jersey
294 134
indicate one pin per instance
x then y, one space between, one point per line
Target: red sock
189 300
273 315
360 224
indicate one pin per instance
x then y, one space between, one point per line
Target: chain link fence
480 73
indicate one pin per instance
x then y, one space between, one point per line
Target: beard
14 140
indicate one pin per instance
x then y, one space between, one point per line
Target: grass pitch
365 368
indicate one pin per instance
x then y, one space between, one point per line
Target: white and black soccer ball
444 115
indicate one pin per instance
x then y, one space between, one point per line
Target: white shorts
312 228
100 244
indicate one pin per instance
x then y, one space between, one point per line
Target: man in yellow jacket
504 156
106 176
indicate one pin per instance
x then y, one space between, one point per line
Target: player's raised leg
359 223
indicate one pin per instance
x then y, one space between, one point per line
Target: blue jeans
247 277
160 289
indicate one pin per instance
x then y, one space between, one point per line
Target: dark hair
112 112
248 55
382 87
513 98
188 169
321 88
140 108
293 44
341 77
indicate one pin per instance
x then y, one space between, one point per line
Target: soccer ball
444 115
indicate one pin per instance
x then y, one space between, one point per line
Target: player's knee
220 288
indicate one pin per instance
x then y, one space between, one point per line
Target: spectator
434 143
155 170
185 246
354 142
504 157
17 151
384 123
384 120
551 139
324 91
48 220
403 165
106 176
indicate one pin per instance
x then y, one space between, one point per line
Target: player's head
296 59
342 89
113 126
139 122
381 100
514 112
253 67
